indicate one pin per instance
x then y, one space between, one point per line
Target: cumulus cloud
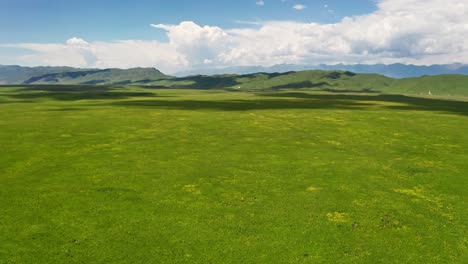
405 31
260 3
196 43
77 52
77 42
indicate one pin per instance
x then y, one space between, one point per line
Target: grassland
102 174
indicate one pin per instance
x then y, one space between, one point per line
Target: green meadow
117 174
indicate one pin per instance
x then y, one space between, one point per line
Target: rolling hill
13 74
396 70
331 81
106 76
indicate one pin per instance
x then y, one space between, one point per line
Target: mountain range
68 75
321 80
391 70
29 75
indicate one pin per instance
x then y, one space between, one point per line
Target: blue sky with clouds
198 34
56 20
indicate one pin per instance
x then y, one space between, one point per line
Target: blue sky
57 20
180 35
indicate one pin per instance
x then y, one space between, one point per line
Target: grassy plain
132 175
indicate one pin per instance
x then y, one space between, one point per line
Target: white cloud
195 43
405 31
299 7
120 54
77 42
260 3
76 52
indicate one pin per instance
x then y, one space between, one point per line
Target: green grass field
132 175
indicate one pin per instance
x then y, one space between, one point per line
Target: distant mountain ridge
13 74
327 81
319 80
106 76
391 70
68 75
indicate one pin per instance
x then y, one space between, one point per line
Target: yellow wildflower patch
192 188
313 189
339 217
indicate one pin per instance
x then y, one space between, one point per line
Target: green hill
452 85
331 81
266 81
319 80
107 76
18 74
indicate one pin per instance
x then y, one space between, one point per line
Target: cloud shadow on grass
332 99
74 93
299 100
